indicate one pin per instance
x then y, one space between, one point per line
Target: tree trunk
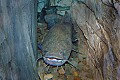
99 21
17 39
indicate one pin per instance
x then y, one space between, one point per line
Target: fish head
54 59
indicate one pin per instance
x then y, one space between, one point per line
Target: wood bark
17 39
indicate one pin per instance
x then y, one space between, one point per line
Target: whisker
72 64
48 68
39 59
76 51
56 69
62 68
44 68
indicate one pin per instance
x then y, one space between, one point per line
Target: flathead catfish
57 44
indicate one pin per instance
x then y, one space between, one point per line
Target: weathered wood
99 22
17 40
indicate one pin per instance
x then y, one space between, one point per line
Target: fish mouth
54 61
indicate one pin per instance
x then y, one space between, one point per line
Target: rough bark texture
99 22
17 40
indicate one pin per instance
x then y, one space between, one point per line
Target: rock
70 77
84 62
60 8
117 6
48 76
61 71
77 78
76 73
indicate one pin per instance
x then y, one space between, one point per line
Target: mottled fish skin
57 44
